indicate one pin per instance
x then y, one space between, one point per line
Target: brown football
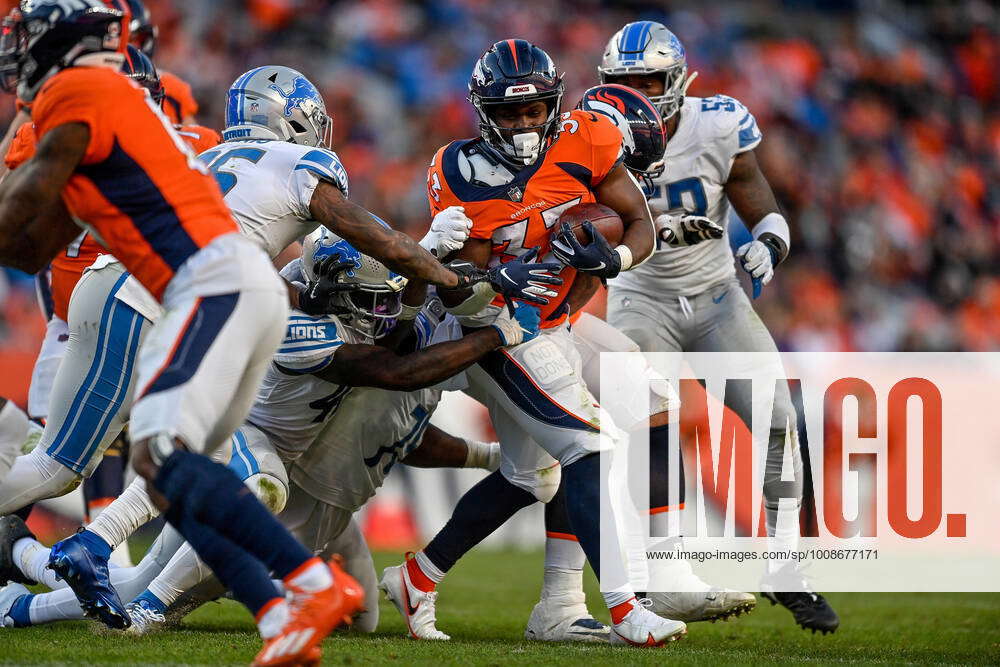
604 220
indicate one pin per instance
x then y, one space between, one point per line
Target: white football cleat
641 627
711 605
564 618
145 619
416 606
10 594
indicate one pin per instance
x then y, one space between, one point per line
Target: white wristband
625 253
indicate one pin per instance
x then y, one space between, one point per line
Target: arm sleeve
605 145
79 97
317 165
309 344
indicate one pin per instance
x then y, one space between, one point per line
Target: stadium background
881 140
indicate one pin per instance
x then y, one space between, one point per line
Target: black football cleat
811 610
12 529
789 588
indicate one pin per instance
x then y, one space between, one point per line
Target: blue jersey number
697 202
227 179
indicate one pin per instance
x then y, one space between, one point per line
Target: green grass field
486 601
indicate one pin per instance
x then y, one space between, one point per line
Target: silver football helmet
372 296
647 47
279 104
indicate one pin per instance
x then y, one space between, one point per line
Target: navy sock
484 508
556 518
659 473
582 480
238 571
214 496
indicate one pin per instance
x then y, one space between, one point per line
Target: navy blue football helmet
143 32
644 134
514 71
140 68
41 37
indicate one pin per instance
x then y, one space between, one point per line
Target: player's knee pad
270 489
542 484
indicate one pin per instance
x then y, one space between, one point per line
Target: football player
557 616
109 156
98 349
531 163
305 388
688 298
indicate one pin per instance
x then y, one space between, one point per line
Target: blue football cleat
81 560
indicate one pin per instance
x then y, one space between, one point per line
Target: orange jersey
68 266
138 188
521 213
178 100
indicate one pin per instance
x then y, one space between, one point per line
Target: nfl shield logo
515 193
254 107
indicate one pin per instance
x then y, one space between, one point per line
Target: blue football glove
521 279
597 258
520 328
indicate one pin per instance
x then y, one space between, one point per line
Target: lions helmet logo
302 91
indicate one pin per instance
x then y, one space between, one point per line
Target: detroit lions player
304 389
688 298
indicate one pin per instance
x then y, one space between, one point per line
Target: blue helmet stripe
237 99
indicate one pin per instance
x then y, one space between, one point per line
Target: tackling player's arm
376 366
754 201
438 449
396 250
34 223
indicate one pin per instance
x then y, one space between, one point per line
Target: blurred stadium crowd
881 131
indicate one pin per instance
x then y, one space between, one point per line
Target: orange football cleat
312 616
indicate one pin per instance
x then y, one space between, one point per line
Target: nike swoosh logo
410 609
720 298
598 268
503 272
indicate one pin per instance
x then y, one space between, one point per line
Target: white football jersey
292 404
711 132
372 430
268 185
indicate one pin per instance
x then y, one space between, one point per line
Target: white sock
429 569
313 575
618 596
273 619
120 555
131 509
485 455
184 571
14 426
563 573
33 477
32 558
60 605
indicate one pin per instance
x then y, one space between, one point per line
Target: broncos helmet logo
302 91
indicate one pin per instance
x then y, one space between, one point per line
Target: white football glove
448 233
679 231
756 259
